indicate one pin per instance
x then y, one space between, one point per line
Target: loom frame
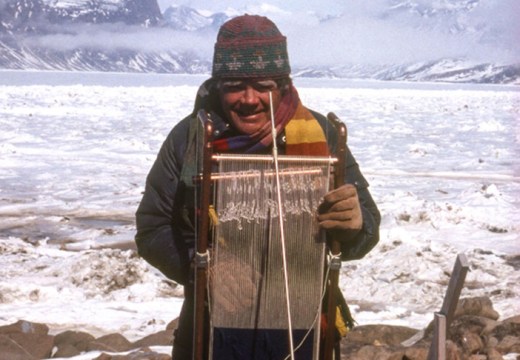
202 241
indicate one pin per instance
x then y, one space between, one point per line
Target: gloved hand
340 209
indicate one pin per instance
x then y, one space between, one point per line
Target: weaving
247 297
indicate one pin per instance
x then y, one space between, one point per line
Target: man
250 63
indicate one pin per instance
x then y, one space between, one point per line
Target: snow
75 148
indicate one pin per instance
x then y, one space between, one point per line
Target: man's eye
233 88
264 86
238 86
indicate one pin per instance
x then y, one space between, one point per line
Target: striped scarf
303 133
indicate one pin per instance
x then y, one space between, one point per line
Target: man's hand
340 209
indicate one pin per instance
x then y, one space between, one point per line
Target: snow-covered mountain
188 19
445 70
134 36
29 16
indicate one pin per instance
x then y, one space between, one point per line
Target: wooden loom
263 304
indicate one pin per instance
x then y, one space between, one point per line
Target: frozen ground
443 162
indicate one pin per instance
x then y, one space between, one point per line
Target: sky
369 32
329 33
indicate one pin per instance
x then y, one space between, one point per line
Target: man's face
246 102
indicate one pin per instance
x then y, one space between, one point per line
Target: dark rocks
475 333
480 306
111 342
380 334
142 354
10 350
72 343
24 340
163 338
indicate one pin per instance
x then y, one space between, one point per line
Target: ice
443 162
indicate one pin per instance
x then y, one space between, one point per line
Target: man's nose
250 95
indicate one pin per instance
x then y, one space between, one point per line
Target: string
282 233
318 311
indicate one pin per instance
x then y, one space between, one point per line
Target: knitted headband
250 46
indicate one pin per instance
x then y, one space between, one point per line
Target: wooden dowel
202 257
335 247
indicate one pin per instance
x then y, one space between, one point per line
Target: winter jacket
165 232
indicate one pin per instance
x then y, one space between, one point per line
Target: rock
509 344
172 325
25 327
471 342
470 336
67 341
473 333
141 354
112 342
33 338
381 334
416 353
38 345
371 352
493 354
514 320
163 338
505 328
452 351
10 350
477 306
66 351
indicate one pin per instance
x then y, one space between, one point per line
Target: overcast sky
364 32
357 32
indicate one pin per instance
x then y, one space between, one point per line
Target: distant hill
135 36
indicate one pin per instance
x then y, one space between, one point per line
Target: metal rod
438 346
449 305
458 276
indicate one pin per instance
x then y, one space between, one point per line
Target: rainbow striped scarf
303 133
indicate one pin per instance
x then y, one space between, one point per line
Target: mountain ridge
24 24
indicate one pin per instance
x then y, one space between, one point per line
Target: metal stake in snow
443 318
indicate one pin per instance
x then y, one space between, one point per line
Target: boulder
72 343
172 325
10 350
112 342
477 306
162 338
66 351
380 334
509 344
32 338
38 345
25 327
141 354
